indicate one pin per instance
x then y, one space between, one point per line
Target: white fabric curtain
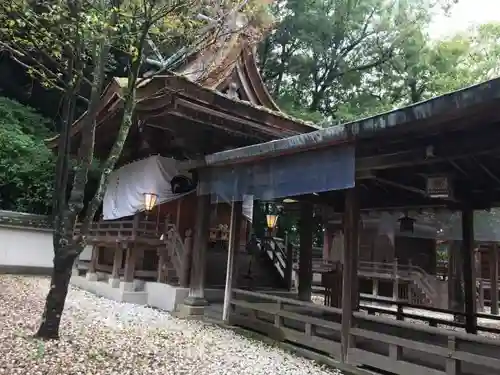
386 226
124 194
248 207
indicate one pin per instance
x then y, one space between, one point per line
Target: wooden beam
194 110
487 171
208 123
199 95
411 189
446 149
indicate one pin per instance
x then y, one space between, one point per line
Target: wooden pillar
162 269
450 274
494 279
128 274
326 243
478 277
289 265
467 269
114 280
117 262
305 255
91 274
455 279
233 244
481 295
178 214
186 259
355 252
375 284
349 273
196 297
93 259
395 281
239 233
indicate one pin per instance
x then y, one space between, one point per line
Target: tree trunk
54 304
123 131
66 249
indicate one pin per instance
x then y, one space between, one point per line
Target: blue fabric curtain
315 171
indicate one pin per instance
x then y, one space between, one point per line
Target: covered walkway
440 154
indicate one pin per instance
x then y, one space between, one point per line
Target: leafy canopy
26 164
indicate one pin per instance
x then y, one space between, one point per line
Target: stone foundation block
127 287
91 276
188 311
114 283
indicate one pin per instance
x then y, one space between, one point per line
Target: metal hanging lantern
406 224
150 201
272 216
272 220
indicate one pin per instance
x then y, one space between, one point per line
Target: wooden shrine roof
176 95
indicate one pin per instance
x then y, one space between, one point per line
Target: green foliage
26 165
323 50
337 61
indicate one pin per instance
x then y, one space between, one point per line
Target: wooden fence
431 316
375 342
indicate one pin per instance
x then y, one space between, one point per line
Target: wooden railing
410 282
431 316
121 230
406 272
422 292
276 250
379 343
175 247
284 254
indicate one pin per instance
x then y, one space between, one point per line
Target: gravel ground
102 337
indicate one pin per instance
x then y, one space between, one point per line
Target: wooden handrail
123 229
406 272
175 247
275 248
400 314
409 272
